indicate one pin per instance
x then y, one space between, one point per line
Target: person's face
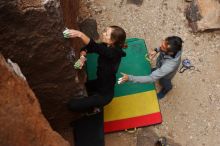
106 36
164 46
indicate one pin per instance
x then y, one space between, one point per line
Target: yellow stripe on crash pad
133 105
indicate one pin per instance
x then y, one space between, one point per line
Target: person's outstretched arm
136 79
75 33
164 70
91 45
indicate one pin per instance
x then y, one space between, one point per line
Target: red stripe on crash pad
146 120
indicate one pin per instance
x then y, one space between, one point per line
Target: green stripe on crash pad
134 63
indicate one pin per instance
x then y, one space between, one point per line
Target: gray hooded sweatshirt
166 67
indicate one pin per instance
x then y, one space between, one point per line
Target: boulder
21 120
31 35
204 15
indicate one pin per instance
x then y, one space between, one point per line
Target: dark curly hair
175 44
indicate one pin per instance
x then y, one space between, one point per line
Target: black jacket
108 63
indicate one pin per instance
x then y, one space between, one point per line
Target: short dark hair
118 35
175 43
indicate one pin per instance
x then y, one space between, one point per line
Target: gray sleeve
140 79
164 70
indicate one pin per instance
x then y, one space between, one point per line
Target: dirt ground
191 111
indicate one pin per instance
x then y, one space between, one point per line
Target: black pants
89 130
166 85
94 99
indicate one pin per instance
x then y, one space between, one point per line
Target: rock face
31 35
204 15
21 120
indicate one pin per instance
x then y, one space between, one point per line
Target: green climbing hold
66 33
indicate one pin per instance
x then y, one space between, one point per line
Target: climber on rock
110 51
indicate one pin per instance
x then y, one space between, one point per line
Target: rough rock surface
204 15
89 27
31 35
21 120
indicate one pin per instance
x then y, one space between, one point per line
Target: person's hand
123 79
83 53
80 62
72 33
152 54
